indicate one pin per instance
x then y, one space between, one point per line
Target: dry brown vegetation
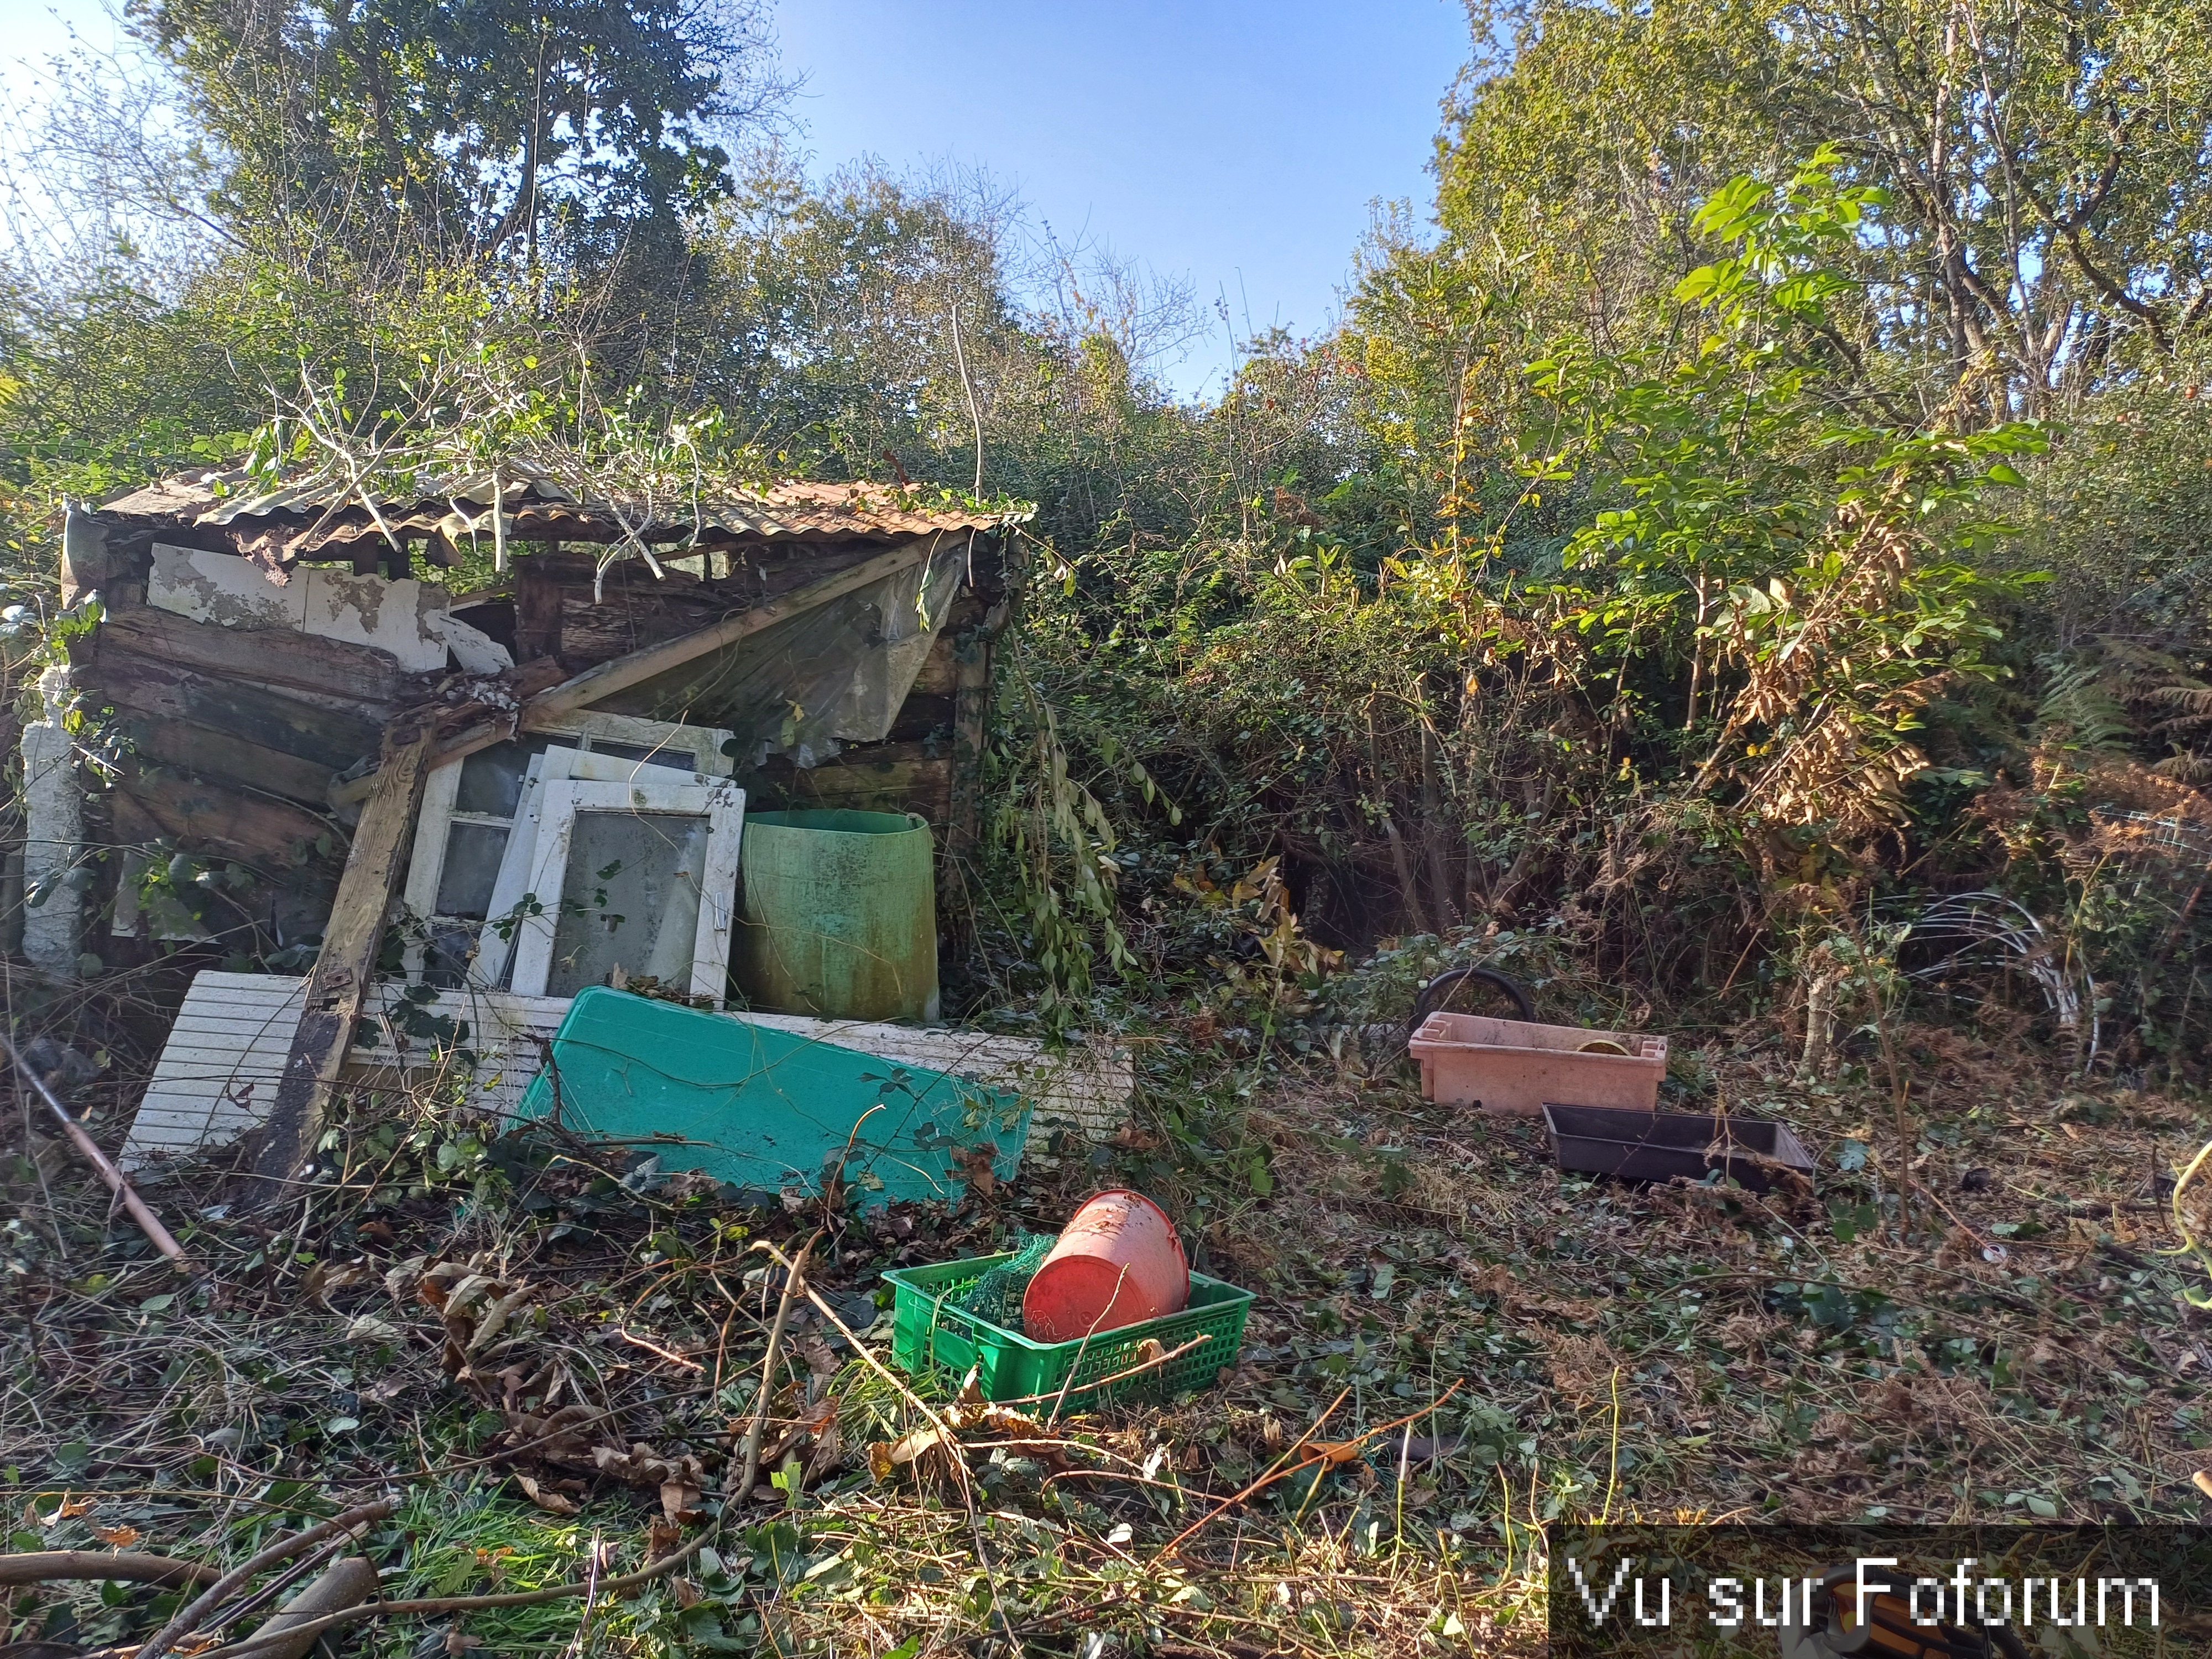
538 1357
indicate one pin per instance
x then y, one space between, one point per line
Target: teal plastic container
932 1339
837 916
767 1110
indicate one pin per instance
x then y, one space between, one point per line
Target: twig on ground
949 1440
190 1617
795 1280
654 1347
568 1592
1267 1475
576 1645
1337 1452
148 1223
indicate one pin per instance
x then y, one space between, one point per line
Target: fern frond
2079 710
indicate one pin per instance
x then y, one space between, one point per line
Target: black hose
1444 984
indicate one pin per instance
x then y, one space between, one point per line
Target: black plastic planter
1630 1145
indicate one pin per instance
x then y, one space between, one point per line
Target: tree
2049 201
467 127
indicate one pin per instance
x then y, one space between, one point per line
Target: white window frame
495 953
721 804
702 745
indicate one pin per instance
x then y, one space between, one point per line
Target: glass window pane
491 779
630 897
451 949
473 855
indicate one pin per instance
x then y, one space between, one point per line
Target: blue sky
1235 145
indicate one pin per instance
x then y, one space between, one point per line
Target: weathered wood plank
923 716
884 777
597 683
549 709
537 608
268 656
972 709
1083 1088
227 757
335 737
596 631
939 674
254 829
337 987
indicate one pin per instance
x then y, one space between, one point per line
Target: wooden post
346 964
971 722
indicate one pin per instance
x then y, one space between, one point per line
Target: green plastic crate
933 1339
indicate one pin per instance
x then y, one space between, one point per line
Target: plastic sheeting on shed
833 674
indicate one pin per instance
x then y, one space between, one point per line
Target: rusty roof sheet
540 509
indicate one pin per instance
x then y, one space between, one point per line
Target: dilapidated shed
257 645
314 744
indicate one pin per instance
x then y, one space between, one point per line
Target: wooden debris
340 982
59 1566
148 1223
347 1583
795 1280
594 684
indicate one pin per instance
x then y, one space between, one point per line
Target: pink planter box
1511 1065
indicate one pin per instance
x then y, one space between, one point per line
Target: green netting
997 1295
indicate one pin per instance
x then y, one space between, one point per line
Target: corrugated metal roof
539 510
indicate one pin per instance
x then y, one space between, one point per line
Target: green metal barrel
838 916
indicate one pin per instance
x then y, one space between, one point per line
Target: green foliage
1649 565
2041 233
468 126
1815 573
1057 836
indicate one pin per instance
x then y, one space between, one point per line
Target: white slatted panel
217 1075
504 1033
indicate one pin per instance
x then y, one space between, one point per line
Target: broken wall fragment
53 834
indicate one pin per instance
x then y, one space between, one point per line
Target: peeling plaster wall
406 619
223 589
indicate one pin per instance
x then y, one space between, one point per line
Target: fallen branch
57 1566
1328 1452
1269 1474
148 1223
795 1280
951 1441
190 1617
259 1645
654 1347
346 1582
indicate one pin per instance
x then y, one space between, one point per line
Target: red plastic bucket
1118 1262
